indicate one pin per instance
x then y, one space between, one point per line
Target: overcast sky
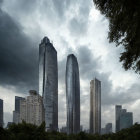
73 26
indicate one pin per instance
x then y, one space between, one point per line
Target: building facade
95 106
48 82
108 128
16 112
72 95
1 113
118 109
31 109
124 119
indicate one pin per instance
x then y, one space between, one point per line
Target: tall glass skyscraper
48 82
1 113
95 106
72 95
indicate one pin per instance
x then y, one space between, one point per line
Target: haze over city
72 27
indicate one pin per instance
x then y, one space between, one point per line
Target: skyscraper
72 95
1 113
118 109
95 106
48 82
124 119
16 112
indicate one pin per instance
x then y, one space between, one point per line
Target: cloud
18 56
78 24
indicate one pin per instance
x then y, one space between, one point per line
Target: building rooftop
45 40
32 92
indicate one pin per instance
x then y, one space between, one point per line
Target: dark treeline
26 131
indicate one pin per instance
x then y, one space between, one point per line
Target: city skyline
73 27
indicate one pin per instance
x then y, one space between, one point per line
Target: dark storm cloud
1 2
55 11
18 56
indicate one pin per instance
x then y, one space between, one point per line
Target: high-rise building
1 113
95 106
72 95
48 82
31 109
108 128
16 112
118 109
124 119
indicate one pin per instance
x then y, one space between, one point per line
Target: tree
124 28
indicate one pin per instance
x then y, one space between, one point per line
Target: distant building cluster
107 129
29 109
123 118
43 106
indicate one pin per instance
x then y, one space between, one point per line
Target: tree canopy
124 28
25 131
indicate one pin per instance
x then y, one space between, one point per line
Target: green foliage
124 28
26 131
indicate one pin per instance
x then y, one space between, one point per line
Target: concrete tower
95 106
72 95
48 82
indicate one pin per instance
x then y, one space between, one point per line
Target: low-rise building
31 109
